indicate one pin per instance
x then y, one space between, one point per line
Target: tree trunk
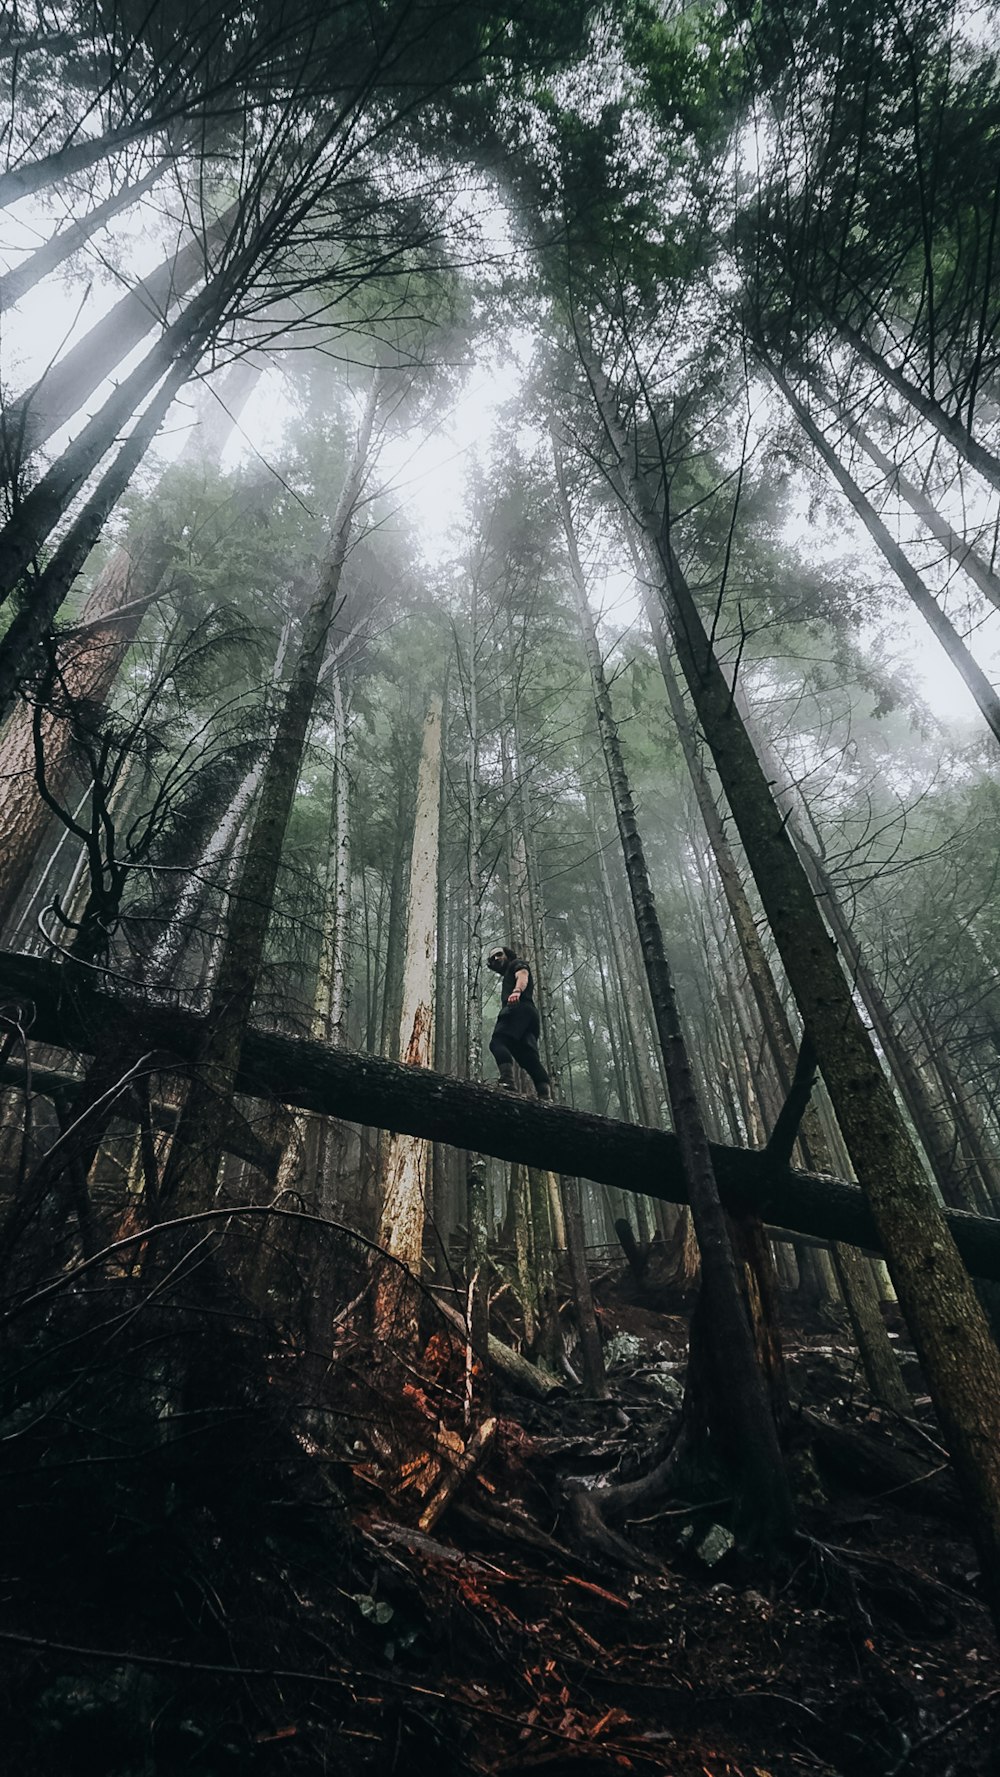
476 1184
363 1089
391 994
405 1179
877 1356
957 435
15 285
960 1360
41 509
959 655
308 1146
189 1182
89 663
37 613
62 391
334 965
64 163
530 1196
738 1409
964 555
564 1194
645 1102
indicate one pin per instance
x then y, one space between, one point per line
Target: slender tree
189 1179
960 1360
64 242
407 1165
738 1409
960 656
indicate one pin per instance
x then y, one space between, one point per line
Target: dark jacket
520 1019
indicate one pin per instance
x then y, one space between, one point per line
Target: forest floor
868 1655
306 1623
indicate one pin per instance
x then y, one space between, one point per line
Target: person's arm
520 983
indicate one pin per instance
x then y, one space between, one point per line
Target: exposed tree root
591 1507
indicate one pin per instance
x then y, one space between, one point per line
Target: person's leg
503 1056
525 1052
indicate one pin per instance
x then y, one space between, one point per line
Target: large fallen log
46 1082
67 1009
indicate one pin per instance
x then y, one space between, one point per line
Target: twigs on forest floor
943 1731
914 1480
463 1465
346 1679
683 1511
901 1578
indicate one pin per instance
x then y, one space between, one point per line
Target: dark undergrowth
212 1561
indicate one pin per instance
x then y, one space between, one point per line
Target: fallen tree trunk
520 1372
59 1006
238 1137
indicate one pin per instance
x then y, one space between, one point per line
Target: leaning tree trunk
382 1095
15 285
89 662
959 1358
736 1398
958 436
62 391
853 1274
38 513
65 162
33 623
959 655
189 1180
958 550
407 1163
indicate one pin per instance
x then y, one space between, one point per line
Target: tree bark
89 662
406 1174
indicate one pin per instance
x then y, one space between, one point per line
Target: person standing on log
516 1032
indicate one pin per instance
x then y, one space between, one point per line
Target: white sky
429 472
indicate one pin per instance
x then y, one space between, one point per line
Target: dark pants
515 1038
